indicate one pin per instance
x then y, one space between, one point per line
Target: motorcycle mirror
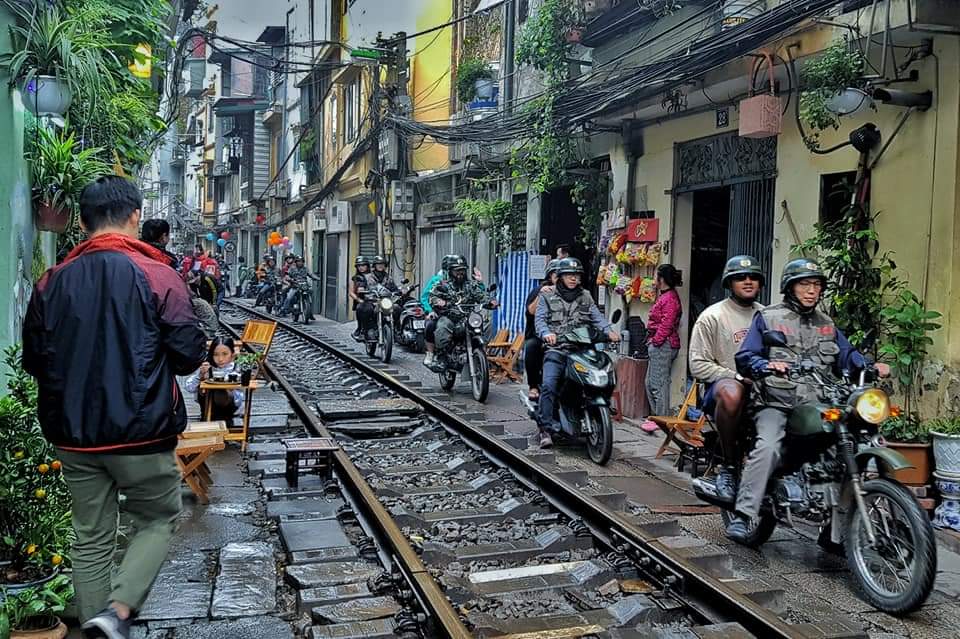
404 281
774 338
617 314
492 288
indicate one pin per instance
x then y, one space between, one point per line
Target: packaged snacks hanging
652 257
617 243
624 284
648 291
605 240
636 253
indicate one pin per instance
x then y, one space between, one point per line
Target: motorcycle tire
480 384
295 316
760 533
923 568
420 345
371 348
387 343
447 380
600 440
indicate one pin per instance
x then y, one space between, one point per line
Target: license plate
418 324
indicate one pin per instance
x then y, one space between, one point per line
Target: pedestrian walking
106 332
663 341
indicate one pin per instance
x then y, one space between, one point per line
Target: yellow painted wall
914 189
430 80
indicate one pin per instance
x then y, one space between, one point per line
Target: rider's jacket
558 316
298 275
267 274
469 291
375 278
811 337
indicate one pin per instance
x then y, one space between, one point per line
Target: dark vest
564 316
814 338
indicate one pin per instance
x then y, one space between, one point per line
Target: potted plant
35 527
60 170
474 80
911 438
247 363
32 613
826 78
56 56
945 432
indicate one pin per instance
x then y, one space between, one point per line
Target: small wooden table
234 435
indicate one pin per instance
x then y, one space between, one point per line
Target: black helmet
270 257
298 258
569 266
800 269
361 261
457 262
447 261
741 265
552 266
379 260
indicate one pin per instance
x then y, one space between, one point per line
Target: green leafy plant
248 361
944 425
468 72
59 168
590 196
907 328
35 608
35 528
492 216
836 69
905 430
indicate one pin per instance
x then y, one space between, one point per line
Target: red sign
646 230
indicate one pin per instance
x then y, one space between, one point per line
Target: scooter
469 355
383 301
413 321
583 398
831 451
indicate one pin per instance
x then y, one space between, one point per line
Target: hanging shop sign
645 230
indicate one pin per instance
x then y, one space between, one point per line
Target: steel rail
712 599
408 562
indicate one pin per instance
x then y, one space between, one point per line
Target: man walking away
105 334
156 232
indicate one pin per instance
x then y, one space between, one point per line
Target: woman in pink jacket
663 340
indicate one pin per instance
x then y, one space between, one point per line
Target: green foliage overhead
836 69
468 72
492 216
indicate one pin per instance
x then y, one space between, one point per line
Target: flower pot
484 88
919 456
946 454
46 95
57 630
52 218
15 588
245 377
947 514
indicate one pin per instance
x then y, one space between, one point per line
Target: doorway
708 248
332 255
316 250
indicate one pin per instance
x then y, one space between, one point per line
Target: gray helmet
800 269
741 265
361 261
552 267
379 260
447 261
569 266
457 262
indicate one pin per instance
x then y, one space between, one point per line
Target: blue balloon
211 236
221 242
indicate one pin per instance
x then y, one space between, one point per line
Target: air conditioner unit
281 189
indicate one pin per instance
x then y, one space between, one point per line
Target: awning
486 5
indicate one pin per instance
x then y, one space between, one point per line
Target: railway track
483 540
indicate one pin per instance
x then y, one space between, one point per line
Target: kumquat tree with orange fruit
35 527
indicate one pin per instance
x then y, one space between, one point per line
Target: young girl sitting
219 361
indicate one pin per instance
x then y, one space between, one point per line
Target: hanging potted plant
911 438
59 171
32 613
55 57
474 80
831 81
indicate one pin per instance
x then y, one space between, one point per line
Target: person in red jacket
105 334
663 340
200 264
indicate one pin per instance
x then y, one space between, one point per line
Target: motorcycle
413 321
383 300
469 354
829 449
302 304
583 398
269 298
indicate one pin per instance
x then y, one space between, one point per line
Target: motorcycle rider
562 309
430 327
532 346
456 285
716 337
812 336
296 276
267 274
358 287
381 277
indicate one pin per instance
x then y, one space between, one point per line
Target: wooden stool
314 452
616 406
191 456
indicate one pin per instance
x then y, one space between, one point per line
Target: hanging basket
761 116
46 95
52 218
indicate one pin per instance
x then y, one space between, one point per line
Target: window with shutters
351 104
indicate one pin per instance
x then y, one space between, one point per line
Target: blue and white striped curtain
513 286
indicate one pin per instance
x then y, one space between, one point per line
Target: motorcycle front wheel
600 437
387 332
447 380
371 348
481 376
762 530
897 575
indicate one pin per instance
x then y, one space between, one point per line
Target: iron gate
750 230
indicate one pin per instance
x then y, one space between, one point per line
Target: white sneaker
428 359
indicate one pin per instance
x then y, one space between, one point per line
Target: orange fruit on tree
56 560
32 548
43 469
55 464
19 454
39 493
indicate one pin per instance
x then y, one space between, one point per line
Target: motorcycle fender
596 400
888 460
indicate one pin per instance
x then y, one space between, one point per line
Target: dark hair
199 246
153 230
670 275
108 201
219 341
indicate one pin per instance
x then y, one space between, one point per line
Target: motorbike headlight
386 303
597 378
873 406
475 320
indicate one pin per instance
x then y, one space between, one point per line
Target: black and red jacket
105 333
